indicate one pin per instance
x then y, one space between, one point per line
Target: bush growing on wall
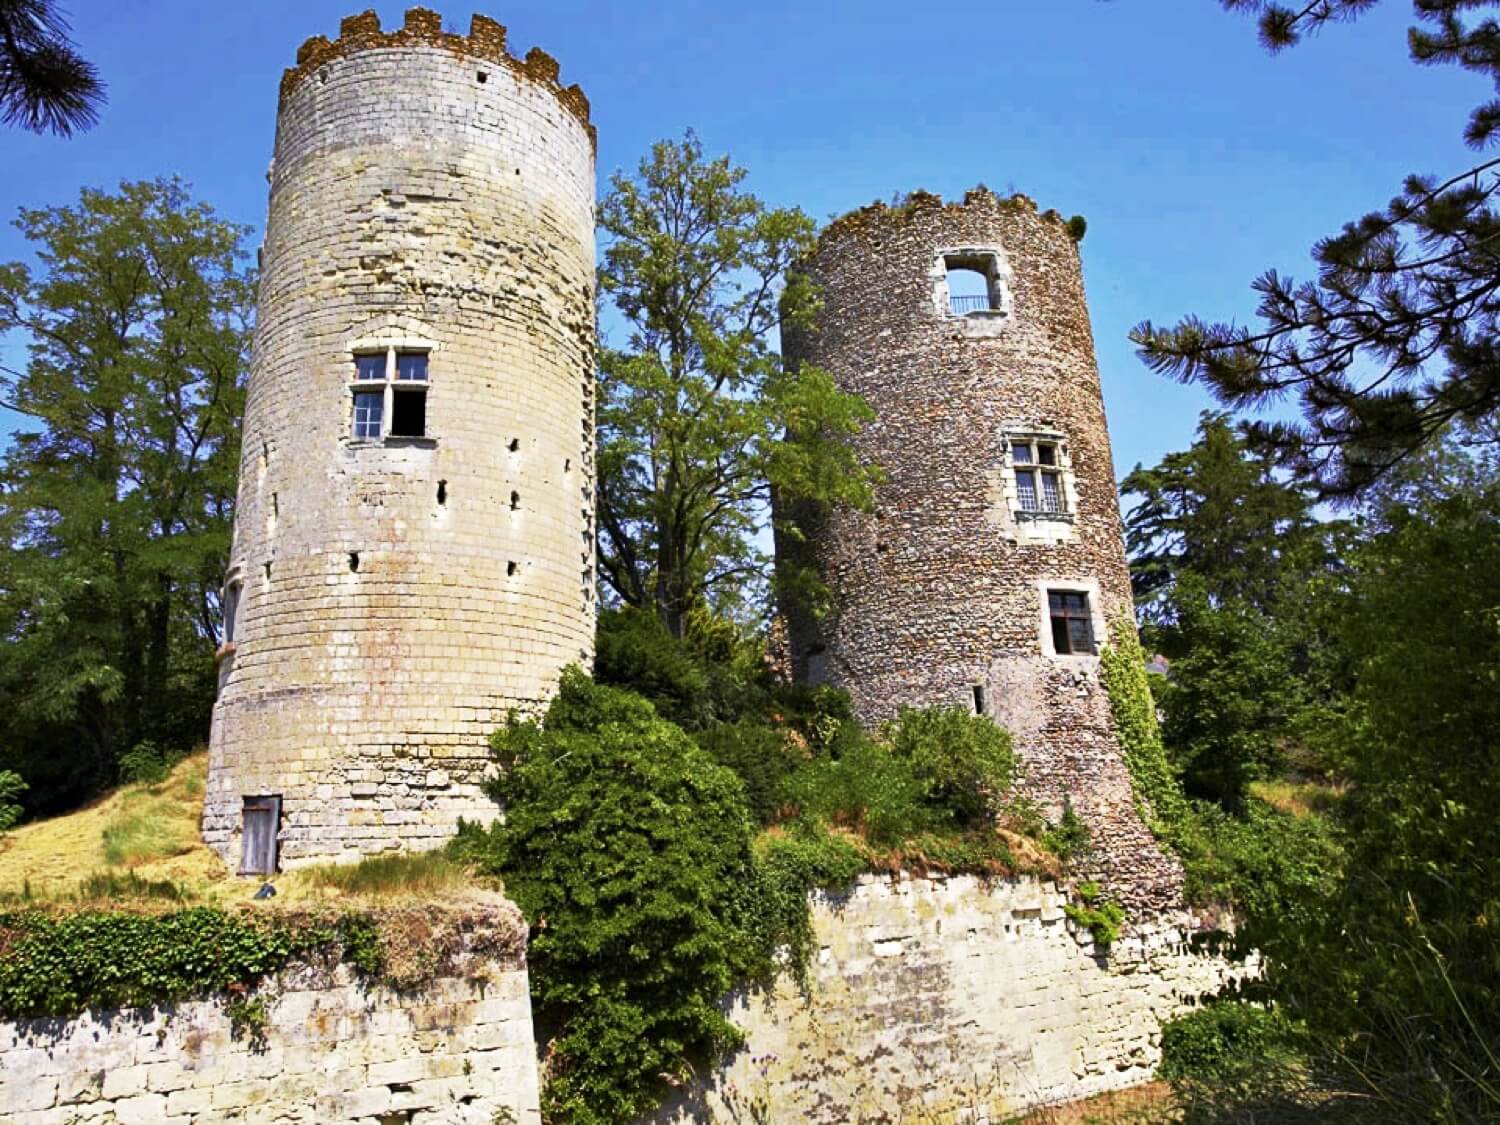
629 850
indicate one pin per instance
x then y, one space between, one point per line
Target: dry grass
148 831
423 875
1139 1105
1299 798
142 844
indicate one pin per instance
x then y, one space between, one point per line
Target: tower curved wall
941 594
394 597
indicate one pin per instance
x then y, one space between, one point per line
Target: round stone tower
413 543
992 567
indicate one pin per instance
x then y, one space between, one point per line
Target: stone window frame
1038 527
1089 587
988 259
231 598
391 345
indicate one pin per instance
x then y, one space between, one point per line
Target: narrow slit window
231 611
979 699
1072 623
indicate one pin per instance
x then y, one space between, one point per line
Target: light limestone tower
413 548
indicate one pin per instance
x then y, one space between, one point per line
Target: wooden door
262 822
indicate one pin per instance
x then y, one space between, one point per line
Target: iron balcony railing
962 306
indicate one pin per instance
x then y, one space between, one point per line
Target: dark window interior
409 414
262 822
1072 624
979 699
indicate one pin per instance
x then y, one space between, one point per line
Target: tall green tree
1397 971
115 507
45 84
1230 567
695 404
1396 337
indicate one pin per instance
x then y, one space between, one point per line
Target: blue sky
1198 159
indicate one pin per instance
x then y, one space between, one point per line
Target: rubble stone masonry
940 594
394 597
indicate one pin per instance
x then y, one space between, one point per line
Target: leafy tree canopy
1231 570
115 509
693 408
1396 336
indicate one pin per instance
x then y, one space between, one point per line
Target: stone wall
398 596
942 589
948 1000
458 1050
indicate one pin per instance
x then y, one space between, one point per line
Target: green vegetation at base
662 863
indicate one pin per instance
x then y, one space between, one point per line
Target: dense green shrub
762 756
868 788
963 762
146 763
934 770
1221 1039
714 674
12 785
634 650
629 850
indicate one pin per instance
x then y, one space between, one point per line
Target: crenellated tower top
424 27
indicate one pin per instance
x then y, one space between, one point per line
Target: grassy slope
151 832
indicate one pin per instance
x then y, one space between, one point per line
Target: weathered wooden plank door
262 822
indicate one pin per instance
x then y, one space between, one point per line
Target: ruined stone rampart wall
398 596
951 1000
942 588
329 1049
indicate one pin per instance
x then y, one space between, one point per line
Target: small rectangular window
1026 490
411 366
409 413
979 699
369 409
1039 470
369 366
1072 623
261 824
1051 494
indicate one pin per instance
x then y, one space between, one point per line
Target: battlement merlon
877 216
424 28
